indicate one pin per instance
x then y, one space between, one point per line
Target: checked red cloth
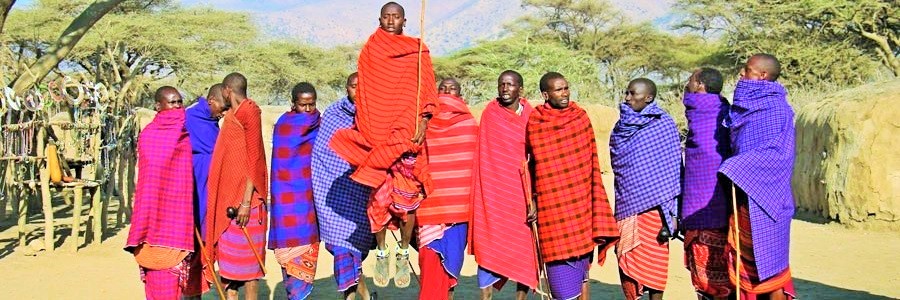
386 107
163 214
573 212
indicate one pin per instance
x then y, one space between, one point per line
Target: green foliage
819 42
478 68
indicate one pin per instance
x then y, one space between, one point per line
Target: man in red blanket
573 212
237 179
395 102
161 236
443 219
500 238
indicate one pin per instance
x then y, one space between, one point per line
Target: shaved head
215 92
351 78
236 82
646 83
449 86
762 66
162 93
515 75
393 4
167 98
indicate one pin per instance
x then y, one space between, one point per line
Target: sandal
382 264
402 276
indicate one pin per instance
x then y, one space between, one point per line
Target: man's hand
532 213
420 134
243 216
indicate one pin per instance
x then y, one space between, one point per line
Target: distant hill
450 25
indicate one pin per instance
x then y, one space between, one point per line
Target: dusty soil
829 261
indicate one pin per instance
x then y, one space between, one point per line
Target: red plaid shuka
386 107
573 211
163 214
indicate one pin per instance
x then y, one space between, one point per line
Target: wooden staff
209 262
526 187
737 239
231 212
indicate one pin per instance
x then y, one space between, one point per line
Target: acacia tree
819 41
64 44
620 49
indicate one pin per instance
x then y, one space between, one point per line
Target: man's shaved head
162 92
393 4
215 92
351 78
236 82
167 98
649 85
449 86
762 66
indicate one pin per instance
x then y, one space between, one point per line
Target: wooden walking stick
737 242
542 268
209 262
231 212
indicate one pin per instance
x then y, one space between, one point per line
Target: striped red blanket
386 106
499 237
573 210
450 141
238 155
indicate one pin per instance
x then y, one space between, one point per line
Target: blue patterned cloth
452 248
203 130
645 151
293 216
340 202
705 194
762 138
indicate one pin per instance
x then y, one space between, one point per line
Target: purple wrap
203 130
705 195
645 152
762 138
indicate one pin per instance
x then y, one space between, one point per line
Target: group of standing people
521 190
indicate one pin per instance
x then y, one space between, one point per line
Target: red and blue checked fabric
347 266
645 151
166 284
450 140
163 213
340 202
573 212
705 194
762 136
500 239
293 213
236 260
386 106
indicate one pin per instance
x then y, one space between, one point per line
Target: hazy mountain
450 25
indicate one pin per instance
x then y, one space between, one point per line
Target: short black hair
771 63
302 88
237 82
712 79
515 75
161 92
544 85
649 83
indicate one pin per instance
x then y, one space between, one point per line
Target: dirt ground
828 260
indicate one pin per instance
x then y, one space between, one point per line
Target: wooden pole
45 191
737 239
76 215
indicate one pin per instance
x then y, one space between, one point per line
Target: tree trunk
64 44
5 6
890 60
